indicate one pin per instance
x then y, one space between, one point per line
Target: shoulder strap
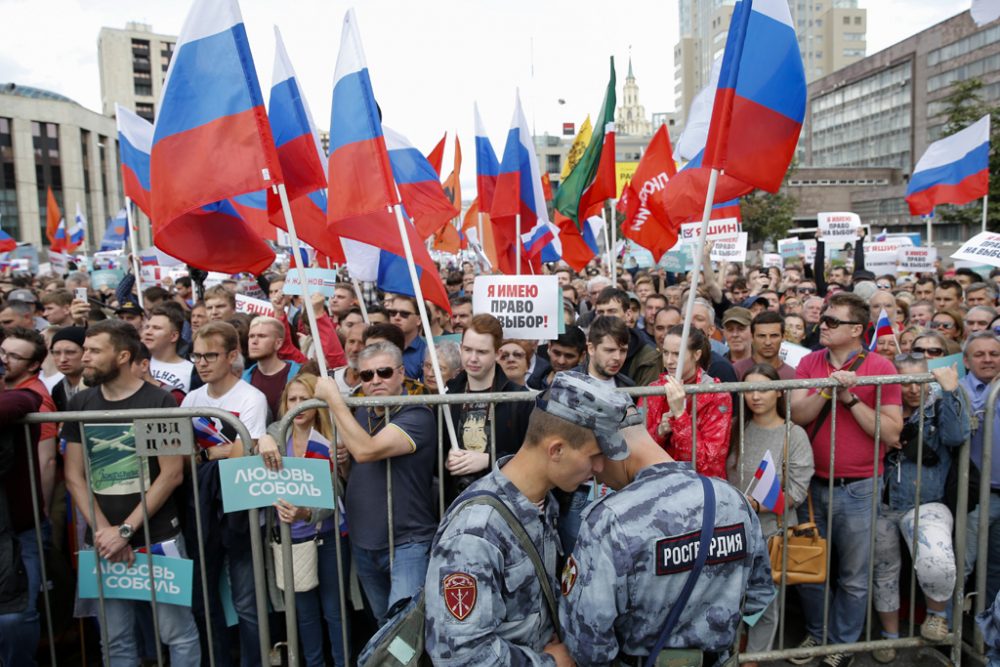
494 501
707 529
825 412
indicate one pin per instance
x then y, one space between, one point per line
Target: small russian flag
882 328
768 488
207 433
165 548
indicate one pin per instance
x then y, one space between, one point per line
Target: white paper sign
792 354
730 250
246 304
882 257
59 262
724 228
773 259
839 228
794 249
982 248
916 260
321 281
527 306
810 245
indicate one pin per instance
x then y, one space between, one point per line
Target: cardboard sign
246 483
773 259
791 249
916 260
792 354
983 248
730 250
153 274
839 228
956 360
810 245
724 228
882 257
171 576
527 306
246 304
322 281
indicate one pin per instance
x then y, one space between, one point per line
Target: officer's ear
554 447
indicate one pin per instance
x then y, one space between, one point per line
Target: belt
844 481
709 658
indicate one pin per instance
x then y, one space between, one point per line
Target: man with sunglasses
403 312
844 359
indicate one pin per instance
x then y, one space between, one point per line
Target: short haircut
275 324
644 280
454 278
486 324
983 309
697 340
175 318
386 331
573 338
974 287
183 281
738 283
609 294
952 285
220 292
143 355
157 293
598 281
979 335
608 326
31 336
123 336
459 300
409 299
858 306
923 303
225 331
966 271
60 297
22 308
448 352
382 347
658 297
767 317
926 280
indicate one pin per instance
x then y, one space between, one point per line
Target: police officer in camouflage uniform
484 601
635 551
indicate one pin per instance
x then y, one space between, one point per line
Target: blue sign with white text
171 576
303 482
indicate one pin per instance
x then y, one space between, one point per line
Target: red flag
575 251
605 184
53 218
447 239
547 186
683 198
452 184
643 224
436 156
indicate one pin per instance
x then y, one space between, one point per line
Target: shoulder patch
459 591
569 576
678 554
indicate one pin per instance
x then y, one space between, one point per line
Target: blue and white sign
246 483
323 281
171 576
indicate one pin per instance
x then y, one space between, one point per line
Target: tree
766 215
966 106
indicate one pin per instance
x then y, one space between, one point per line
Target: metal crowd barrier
954 641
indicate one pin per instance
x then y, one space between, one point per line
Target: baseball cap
128 307
582 400
754 299
737 314
22 295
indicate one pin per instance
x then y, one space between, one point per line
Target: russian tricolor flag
761 96
768 488
135 141
76 231
116 232
211 141
423 197
883 327
7 242
487 167
953 170
207 434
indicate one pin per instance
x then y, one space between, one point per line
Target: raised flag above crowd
953 170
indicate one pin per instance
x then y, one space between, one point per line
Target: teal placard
246 483
944 362
677 261
172 577
106 278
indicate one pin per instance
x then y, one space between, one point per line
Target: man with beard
115 528
347 377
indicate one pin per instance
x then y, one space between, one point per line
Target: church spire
630 75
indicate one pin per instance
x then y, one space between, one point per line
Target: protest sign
215 278
792 250
108 259
678 259
246 304
17 264
916 260
58 262
810 245
246 483
792 354
730 250
724 228
839 228
982 248
882 257
106 278
322 281
773 259
172 577
153 274
527 306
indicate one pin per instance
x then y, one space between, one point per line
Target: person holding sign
116 528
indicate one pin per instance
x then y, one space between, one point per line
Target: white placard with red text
527 306
732 249
839 227
724 228
982 249
246 304
916 259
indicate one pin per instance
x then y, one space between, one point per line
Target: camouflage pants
935 560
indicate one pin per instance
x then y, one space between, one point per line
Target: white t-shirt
50 381
243 400
177 375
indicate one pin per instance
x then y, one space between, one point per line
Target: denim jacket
946 425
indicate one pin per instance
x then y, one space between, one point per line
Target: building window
48 167
8 182
552 164
857 20
143 89
145 110
847 20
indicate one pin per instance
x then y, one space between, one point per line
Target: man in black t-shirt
116 529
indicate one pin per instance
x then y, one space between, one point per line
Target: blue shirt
413 358
978 391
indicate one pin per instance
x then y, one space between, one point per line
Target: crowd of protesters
187 345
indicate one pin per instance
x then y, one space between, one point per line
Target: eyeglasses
208 357
512 355
4 354
932 352
398 313
908 356
832 322
385 372
805 290
883 285
947 326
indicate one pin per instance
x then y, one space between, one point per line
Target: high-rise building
133 64
831 35
630 116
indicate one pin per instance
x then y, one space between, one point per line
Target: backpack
400 642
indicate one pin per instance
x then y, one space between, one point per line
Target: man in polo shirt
403 312
767 331
842 327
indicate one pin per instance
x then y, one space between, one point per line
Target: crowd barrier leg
209 643
37 512
260 586
985 476
783 586
291 614
149 562
961 545
916 509
342 581
829 515
102 613
876 479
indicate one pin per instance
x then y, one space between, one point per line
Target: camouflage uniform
484 602
634 553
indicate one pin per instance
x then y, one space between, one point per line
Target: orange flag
547 186
52 219
452 184
436 156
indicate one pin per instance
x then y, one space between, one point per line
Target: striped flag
768 488
207 434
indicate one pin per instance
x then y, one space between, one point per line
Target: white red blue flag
76 229
487 166
419 188
883 327
115 232
767 490
135 141
953 170
207 433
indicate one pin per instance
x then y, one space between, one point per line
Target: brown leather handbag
806 553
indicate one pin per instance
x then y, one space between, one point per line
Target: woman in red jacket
668 417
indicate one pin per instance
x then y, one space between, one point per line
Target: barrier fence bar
37 511
985 479
876 485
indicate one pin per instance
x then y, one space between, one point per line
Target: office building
133 64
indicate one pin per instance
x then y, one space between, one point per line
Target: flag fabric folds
652 230
761 96
883 327
576 149
211 141
487 166
417 182
436 156
7 242
207 432
53 223
577 246
768 491
116 232
135 141
74 236
593 178
953 170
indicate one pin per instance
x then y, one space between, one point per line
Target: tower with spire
630 117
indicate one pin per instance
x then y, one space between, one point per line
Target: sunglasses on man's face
832 322
932 352
385 372
805 290
391 312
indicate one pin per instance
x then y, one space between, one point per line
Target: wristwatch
854 401
125 531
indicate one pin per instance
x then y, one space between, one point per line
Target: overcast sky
429 60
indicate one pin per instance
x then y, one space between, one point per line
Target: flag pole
479 224
927 219
713 179
306 297
986 199
607 240
614 239
361 298
517 241
418 294
133 232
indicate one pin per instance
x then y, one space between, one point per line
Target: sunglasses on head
385 372
832 322
928 351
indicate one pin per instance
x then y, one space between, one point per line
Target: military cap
582 400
